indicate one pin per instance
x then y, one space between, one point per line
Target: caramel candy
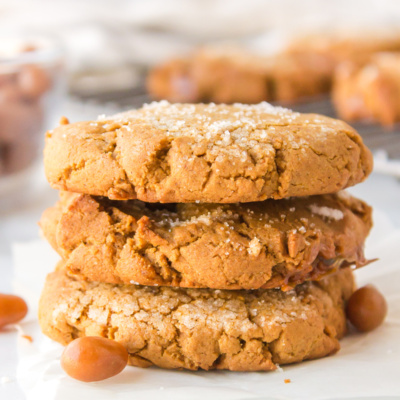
12 309
91 358
366 309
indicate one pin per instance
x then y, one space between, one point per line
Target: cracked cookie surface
207 153
233 246
201 328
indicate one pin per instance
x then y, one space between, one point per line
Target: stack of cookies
205 236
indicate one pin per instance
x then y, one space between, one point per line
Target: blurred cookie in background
369 91
303 68
229 75
337 46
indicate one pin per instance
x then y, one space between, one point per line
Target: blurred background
80 59
84 58
108 44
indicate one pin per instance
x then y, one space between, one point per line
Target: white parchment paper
367 366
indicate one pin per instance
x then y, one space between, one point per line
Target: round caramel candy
12 309
33 81
366 309
91 358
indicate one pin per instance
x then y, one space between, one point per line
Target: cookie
335 46
369 91
201 328
236 75
208 153
303 68
275 243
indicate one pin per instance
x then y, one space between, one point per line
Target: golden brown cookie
335 46
200 328
237 246
369 91
209 153
303 68
235 75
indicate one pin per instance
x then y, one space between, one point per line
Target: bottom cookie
201 328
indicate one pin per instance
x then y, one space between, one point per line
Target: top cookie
206 153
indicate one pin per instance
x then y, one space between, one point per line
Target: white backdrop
106 34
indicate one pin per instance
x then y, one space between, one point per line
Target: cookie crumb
64 121
28 338
287 381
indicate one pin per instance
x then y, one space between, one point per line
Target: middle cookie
269 244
